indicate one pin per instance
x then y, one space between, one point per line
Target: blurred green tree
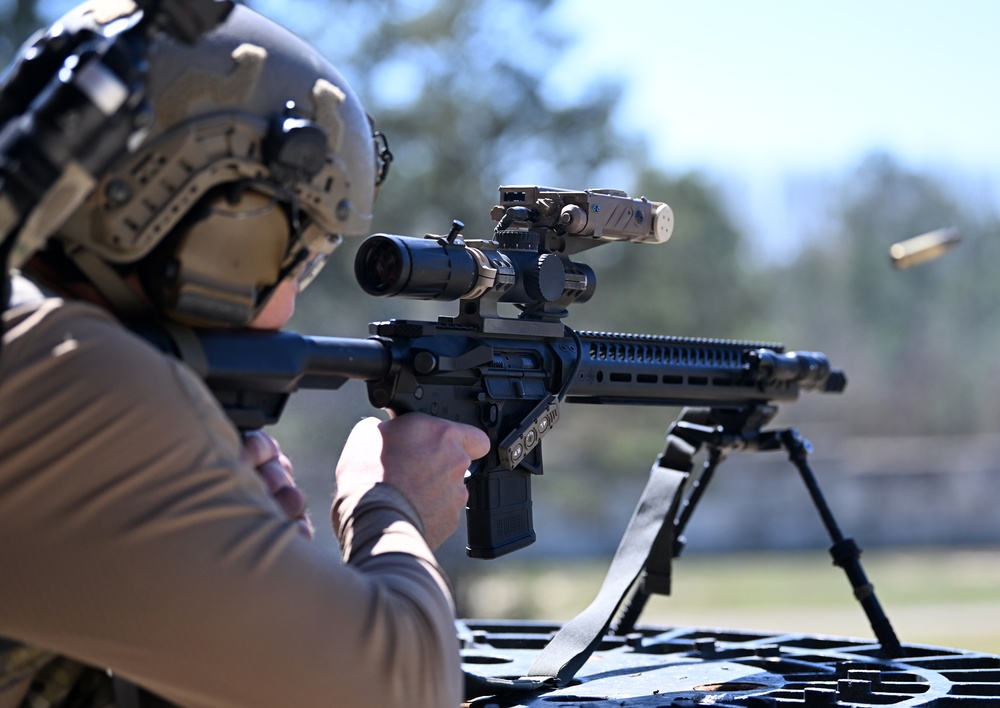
919 344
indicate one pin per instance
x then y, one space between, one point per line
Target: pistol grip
498 512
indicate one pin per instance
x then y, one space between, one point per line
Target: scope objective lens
379 267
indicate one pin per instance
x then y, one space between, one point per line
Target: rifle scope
512 269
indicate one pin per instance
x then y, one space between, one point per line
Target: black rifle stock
506 375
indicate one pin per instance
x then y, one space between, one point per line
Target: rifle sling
572 645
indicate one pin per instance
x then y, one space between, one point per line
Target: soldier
143 540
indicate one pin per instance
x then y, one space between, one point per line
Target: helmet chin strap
124 301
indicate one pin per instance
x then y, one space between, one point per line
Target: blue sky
804 84
761 94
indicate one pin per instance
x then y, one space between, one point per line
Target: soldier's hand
423 457
261 452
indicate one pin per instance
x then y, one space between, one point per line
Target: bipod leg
845 551
696 489
678 454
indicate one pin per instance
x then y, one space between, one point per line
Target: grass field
946 597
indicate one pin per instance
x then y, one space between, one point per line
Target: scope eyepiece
418 268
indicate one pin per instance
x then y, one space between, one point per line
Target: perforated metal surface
684 666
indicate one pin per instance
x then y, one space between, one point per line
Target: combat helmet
258 160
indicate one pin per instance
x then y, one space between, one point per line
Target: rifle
506 375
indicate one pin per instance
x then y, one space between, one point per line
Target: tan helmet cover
213 106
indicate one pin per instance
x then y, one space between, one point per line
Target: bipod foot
845 552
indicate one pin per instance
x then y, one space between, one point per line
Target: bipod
654 537
720 431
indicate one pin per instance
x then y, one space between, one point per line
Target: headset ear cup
219 267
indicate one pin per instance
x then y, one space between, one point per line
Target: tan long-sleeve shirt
132 537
